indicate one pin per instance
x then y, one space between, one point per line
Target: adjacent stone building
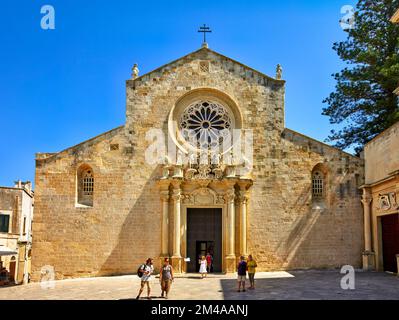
102 208
16 216
381 203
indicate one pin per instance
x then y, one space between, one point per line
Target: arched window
88 183
317 184
85 186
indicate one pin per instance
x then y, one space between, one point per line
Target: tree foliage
363 101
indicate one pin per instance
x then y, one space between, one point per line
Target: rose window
205 123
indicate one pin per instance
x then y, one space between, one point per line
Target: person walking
166 278
146 271
209 261
242 274
203 265
251 264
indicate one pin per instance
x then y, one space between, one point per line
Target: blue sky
60 87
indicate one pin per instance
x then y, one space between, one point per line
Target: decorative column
231 256
368 254
243 199
165 221
176 197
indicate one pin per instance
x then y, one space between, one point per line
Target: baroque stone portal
203 186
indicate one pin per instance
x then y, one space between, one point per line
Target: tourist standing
251 264
166 278
146 270
209 261
203 265
242 273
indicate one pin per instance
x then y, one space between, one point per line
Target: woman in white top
147 271
203 265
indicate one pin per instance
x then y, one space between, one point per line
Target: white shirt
150 270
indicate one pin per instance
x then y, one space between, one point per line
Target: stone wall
123 227
114 235
287 229
382 155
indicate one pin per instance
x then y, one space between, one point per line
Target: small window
85 186
4 223
204 66
318 184
88 183
114 146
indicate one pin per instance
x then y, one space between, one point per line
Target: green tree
363 102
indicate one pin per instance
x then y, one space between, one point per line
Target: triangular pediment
206 54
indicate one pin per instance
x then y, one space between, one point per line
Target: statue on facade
279 72
135 71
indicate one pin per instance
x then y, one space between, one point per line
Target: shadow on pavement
316 285
265 289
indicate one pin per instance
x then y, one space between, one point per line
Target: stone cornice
390 177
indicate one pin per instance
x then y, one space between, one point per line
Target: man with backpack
144 272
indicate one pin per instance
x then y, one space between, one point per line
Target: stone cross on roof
204 29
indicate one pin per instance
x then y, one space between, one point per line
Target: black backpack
139 272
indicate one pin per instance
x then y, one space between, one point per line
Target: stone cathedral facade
102 209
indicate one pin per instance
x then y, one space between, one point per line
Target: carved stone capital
176 195
366 200
176 184
230 196
165 195
242 197
163 184
366 196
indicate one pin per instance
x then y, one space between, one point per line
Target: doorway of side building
204 234
390 241
13 267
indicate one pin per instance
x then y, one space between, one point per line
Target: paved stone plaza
270 286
